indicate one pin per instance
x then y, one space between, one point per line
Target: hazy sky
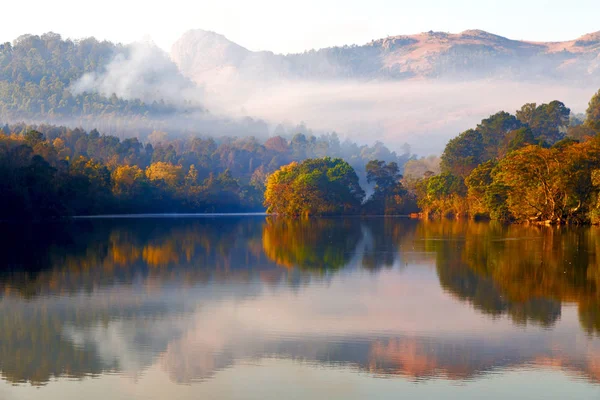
284 26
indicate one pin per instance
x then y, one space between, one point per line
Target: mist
423 113
142 71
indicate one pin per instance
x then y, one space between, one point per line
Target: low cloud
425 114
141 71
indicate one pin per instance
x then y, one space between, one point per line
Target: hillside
473 54
126 90
48 76
398 89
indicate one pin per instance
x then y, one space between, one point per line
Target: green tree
548 122
493 132
518 138
463 153
33 137
389 196
314 187
592 114
486 197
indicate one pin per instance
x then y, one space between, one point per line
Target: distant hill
473 54
38 75
400 89
126 90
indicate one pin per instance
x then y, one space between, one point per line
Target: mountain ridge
591 36
470 54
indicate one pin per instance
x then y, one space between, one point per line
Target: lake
253 307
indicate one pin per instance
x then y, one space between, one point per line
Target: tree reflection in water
61 284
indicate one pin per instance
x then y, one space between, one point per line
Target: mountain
400 89
213 58
473 54
48 76
125 90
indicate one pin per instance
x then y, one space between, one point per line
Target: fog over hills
422 89
472 54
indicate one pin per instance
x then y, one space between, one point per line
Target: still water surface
259 308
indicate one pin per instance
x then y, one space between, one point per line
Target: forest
42 79
36 73
329 186
541 165
147 154
527 282
52 171
136 151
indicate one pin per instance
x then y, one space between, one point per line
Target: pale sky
283 26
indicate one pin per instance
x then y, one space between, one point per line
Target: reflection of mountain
426 358
193 359
199 295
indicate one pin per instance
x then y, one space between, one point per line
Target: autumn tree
128 181
485 196
314 187
553 184
96 173
171 175
277 144
443 195
525 167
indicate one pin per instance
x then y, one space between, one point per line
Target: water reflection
523 271
393 297
313 244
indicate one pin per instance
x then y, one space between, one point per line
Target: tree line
540 165
36 74
330 186
51 171
524 281
39 77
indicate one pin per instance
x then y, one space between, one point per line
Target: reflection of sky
278 378
394 321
